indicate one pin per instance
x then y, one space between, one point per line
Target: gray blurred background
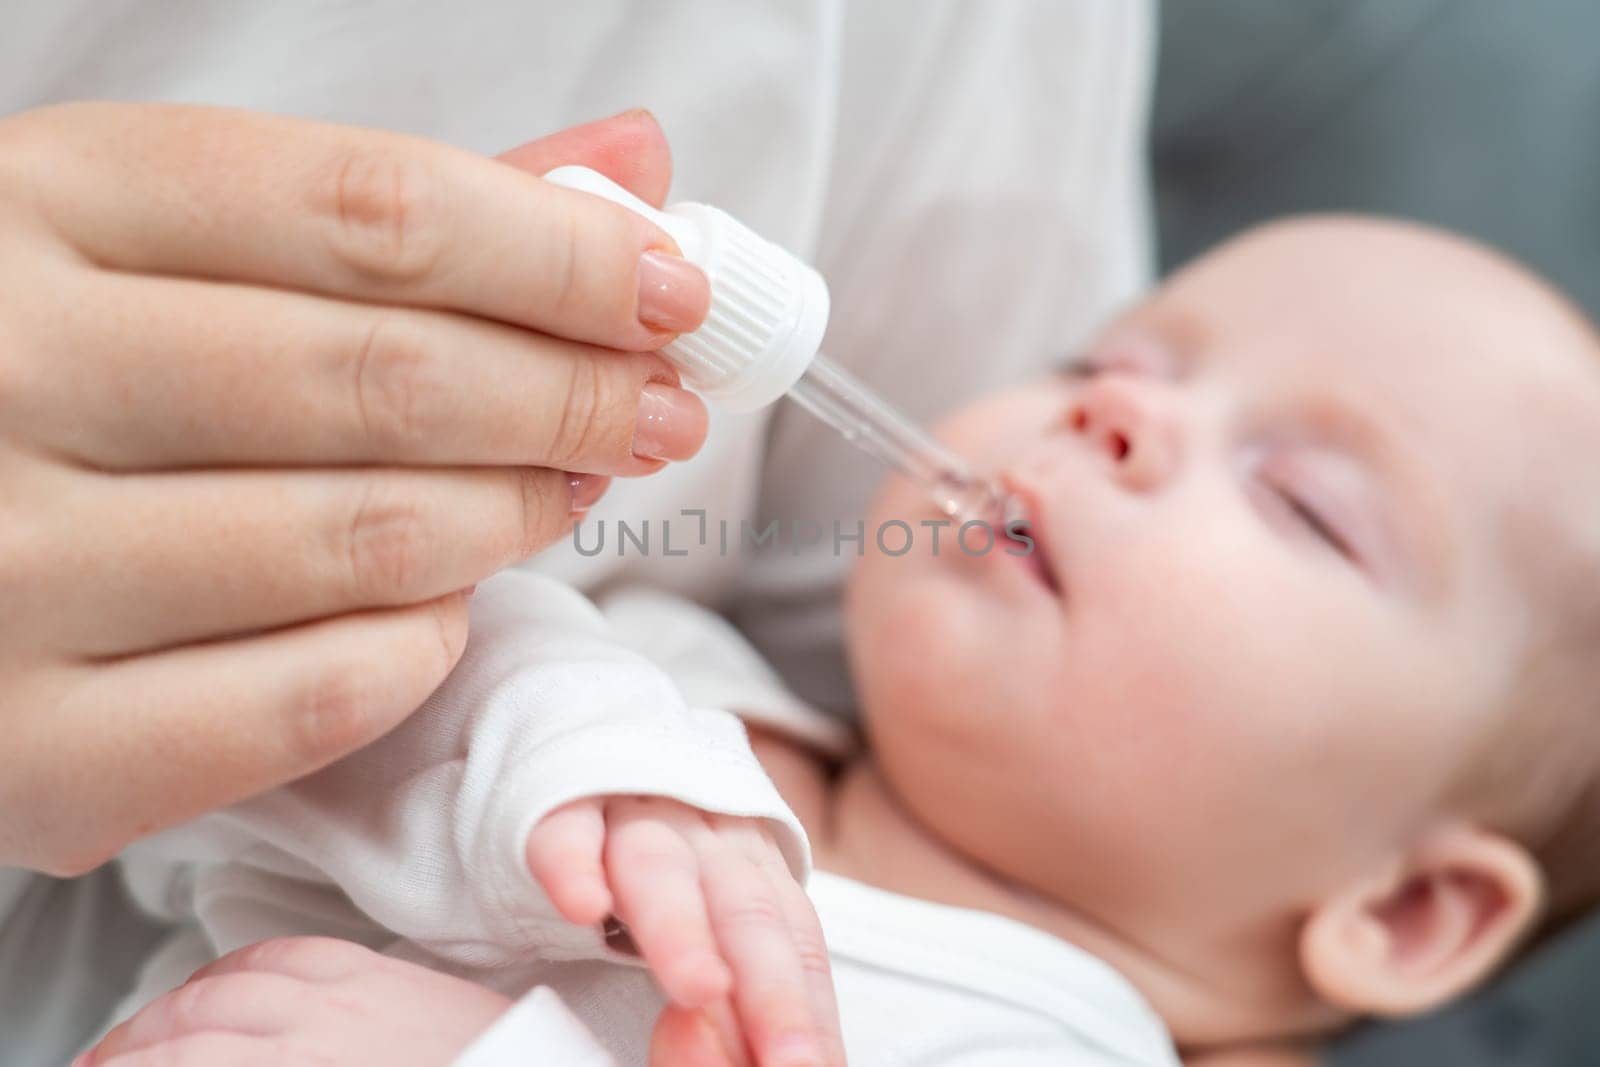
1482 116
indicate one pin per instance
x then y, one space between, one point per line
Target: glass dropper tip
967 498
868 422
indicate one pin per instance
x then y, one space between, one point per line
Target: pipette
760 340
868 422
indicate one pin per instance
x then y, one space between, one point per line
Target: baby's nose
1124 420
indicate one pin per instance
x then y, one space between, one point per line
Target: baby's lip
1039 560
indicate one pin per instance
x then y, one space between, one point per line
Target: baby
1289 719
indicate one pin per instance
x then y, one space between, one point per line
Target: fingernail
673 293
637 113
586 489
729 1035
795 1050
671 424
469 590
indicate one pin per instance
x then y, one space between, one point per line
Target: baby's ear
1429 928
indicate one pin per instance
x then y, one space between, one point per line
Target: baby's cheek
1128 728
900 633
1167 679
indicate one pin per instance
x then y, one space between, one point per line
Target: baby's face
1275 606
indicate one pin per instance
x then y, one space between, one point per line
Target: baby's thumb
564 855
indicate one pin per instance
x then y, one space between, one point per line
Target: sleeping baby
1289 718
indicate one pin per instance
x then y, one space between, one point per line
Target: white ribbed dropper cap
768 309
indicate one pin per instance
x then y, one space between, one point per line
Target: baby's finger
805 929
656 878
563 855
685 1038
255 1004
770 985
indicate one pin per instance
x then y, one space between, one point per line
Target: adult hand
271 393
319 1000
305 1000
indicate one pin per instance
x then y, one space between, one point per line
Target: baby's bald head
1536 774
1322 557
1539 776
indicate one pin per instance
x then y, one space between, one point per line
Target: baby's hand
710 905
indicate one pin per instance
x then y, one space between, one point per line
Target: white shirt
969 178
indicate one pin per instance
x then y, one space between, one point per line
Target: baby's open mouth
1023 538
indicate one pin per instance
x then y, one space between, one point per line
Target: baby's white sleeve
539 1028
715 667
425 829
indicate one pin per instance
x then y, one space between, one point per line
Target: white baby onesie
420 836
414 845
918 983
